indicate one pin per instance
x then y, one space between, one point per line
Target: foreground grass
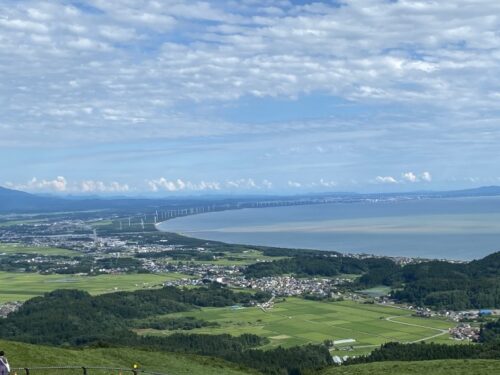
441 367
26 355
16 286
297 322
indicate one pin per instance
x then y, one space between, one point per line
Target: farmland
13 248
22 286
298 321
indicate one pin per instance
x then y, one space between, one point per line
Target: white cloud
410 177
179 185
241 183
386 180
267 50
325 183
314 185
426 176
248 184
23 25
267 184
90 186
402 74
162 184
61 185
294 184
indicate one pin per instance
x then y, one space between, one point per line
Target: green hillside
443 367
26 355
21 355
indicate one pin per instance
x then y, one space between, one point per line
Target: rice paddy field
14 248
297 321
23 286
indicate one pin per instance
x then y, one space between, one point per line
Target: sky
138 97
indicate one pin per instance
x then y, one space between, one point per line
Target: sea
453 228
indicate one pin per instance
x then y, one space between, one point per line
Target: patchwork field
23 286
297 321
244 258
20 249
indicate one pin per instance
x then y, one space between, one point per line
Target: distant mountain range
16 201
19 201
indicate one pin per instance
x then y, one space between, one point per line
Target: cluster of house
184 282
265 306
215 272
467 315
9 307
62 227
283 286
457 316
465 331
291 286
39 263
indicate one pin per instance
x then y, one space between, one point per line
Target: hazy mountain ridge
20 201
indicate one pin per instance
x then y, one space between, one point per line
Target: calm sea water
467 228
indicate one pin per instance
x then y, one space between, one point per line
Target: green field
25 355
21 221
13 248
298 321
378 291
244 258
22 286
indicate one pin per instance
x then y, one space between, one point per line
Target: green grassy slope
26 355
23 355
443 367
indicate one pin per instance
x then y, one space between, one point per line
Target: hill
23 355
15 200
21 202
443 367
27 355
442 285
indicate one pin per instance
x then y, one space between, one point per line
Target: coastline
396 258
456 236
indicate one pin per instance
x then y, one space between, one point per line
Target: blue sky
273 96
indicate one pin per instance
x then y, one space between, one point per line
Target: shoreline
396 258
453 233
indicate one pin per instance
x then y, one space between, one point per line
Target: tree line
394 351
316 265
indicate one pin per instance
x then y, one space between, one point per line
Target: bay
461 229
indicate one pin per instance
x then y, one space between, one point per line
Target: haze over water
462 229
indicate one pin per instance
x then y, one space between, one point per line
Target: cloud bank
279 90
